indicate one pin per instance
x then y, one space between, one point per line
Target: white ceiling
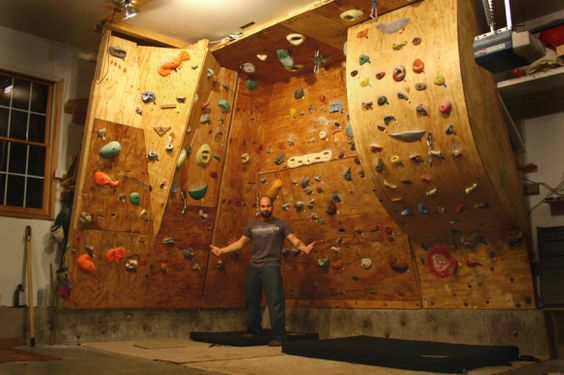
74 21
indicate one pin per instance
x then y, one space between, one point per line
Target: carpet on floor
404 354
18 355
239 338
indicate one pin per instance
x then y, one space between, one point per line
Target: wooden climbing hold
380 75
416 41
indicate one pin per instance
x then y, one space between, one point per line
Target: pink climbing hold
445 107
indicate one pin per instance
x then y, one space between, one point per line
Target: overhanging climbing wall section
139 107
430 131
180 254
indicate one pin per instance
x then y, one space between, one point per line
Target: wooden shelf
534 95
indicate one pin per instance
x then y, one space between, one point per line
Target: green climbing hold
110 150
134 198
285 57
198 192
251 84
363 59
299 93
181 158
223 104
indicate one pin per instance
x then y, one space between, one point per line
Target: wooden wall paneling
487 120
180 82
490 274
111 286
110 207
237 200
451 207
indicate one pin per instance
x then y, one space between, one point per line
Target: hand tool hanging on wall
29 285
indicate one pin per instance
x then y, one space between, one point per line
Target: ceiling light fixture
128 9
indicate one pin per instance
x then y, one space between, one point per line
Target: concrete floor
187 357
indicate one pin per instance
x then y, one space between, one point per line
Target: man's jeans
270 279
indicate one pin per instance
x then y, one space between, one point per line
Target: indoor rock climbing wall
149 177
435 148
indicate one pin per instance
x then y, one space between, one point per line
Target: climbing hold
381 127
396 160
426 178
471 188
406 181
245 158
456 153
363 59
380 165
367 106
398 46
251 84
336 106
409 135
336 197
366 263
439 80
110 150
402 96
460 208
380 75
420 86
299 205
198 192
331 208
299 93
279 159
85 218
393 27
396 199
115 254
247 67
416 41
354 73
376 148
318 157
432 192
382 100
388 119
203 216
148 97
295 39
436 153
144 215
406 212
423 209
188 253
351 15
223 105
445 107
169 241
203 156
169 147
181 158
323 134
347 174
205 118
399 267
166 68
86 263
365 82
482 205
418 66
102 179
210 73
134 198
441 262
323 263
399 73
416 158
450 130
304 182
181 99
102 133
421 110
390 185
118 52
285 58
262 57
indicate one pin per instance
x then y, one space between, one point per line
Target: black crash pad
239 338
404 354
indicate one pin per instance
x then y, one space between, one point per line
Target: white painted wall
544 138
28 54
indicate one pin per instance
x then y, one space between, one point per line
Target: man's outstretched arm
237 245
299 244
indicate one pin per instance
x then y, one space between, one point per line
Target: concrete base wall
523 328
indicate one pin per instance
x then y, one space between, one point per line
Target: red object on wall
441 262
553 37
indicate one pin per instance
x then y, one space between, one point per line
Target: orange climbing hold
102 179
167 67
86 264
115 254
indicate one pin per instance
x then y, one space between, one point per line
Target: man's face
265 207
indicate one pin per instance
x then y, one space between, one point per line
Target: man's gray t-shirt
268 238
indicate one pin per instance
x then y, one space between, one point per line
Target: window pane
34 195
18 125
15 191
3 155
2 186
4 122
39 97
5 81
36 165
21 94
36 128
17 157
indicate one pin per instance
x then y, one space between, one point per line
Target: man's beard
266 214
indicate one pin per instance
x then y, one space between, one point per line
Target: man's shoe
275 343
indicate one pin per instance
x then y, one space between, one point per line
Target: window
25 146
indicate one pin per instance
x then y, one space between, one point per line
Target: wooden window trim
53 124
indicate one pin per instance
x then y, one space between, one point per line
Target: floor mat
239 338
159 344
404 354
18 355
